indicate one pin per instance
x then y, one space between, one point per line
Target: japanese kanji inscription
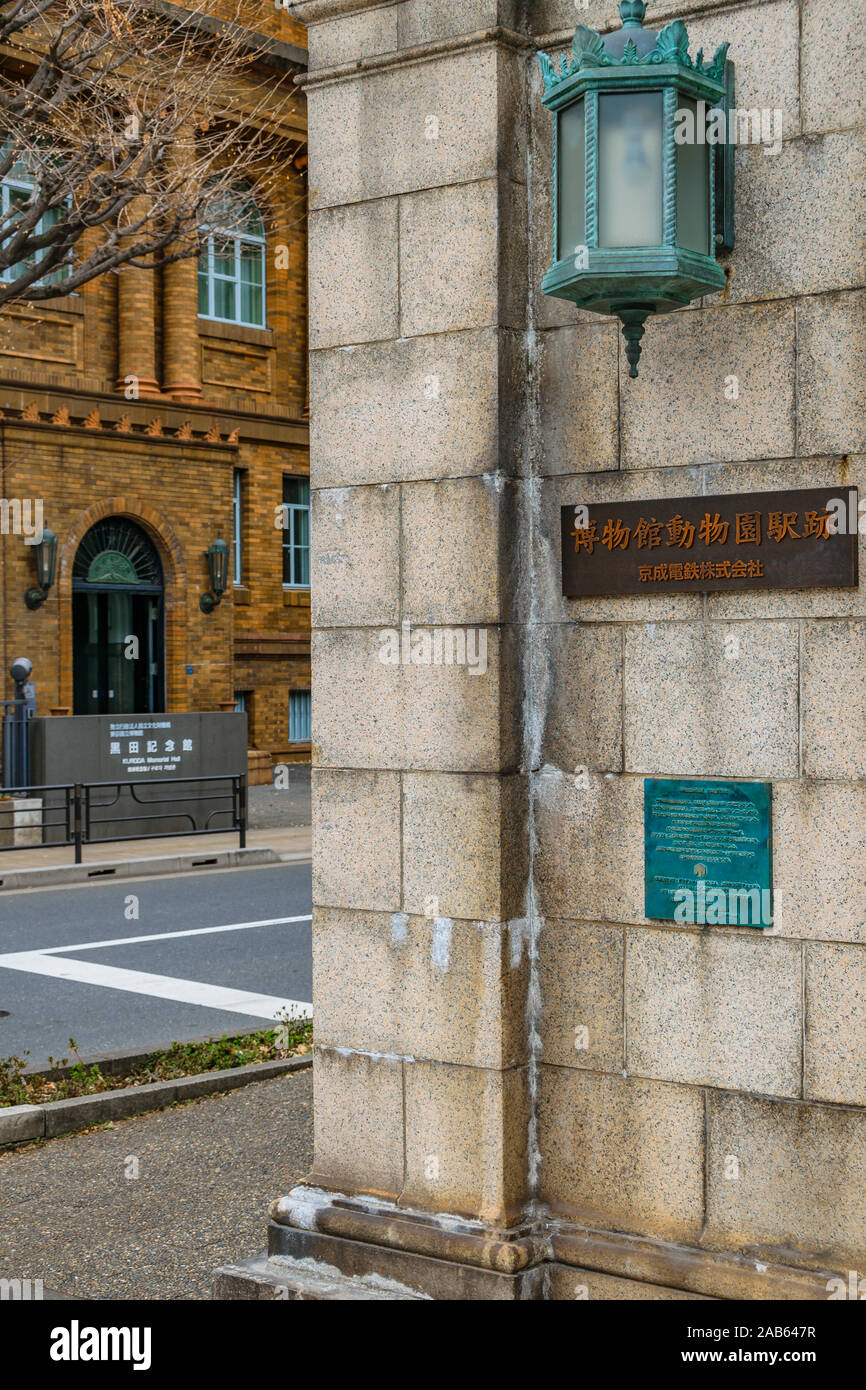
756 540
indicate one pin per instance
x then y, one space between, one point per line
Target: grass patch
290 1038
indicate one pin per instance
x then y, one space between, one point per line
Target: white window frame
237 526
308 736
26 184
289 508
240 239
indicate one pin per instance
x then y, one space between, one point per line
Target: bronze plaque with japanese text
800 539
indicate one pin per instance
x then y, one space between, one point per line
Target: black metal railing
69 813
15 752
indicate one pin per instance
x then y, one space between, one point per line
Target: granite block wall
702 1084
502 1034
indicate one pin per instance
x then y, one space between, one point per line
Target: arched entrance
117 621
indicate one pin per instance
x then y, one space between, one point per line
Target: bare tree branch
121 121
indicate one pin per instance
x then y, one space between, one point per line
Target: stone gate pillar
528 1081
422 931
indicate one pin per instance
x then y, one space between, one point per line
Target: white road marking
49 960
168 935
235 1001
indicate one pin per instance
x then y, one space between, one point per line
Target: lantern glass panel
693 181
571 146
630 169
45 558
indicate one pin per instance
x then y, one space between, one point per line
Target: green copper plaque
708 852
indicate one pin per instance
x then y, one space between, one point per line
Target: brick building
149 414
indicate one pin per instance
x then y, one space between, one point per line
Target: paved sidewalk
272 807
207 1173
293 841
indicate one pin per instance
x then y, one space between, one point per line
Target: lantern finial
633 318
631 12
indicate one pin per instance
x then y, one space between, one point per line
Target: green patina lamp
217 556
45 562
643 197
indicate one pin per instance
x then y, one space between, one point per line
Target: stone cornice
421 53
662 10
316 11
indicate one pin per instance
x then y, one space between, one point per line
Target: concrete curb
136 868
122 1064
20 1124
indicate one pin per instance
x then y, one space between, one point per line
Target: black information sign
801 539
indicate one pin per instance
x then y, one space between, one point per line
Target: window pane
693 185
224 261
301 527
21 171
224 299
252 260
203 306
630 169
252 221
296 491
251 304
300 725
302 567
16 196
296 536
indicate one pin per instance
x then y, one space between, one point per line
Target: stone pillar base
311 1266
262 1280
326 1246
319 1242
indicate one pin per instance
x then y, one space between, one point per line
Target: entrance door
117 620
116 638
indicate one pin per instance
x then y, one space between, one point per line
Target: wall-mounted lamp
45 562
217 556
643 184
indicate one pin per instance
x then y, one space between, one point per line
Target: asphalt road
68 968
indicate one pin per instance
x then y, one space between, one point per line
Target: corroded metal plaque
708 852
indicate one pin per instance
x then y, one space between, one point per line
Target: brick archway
174 573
